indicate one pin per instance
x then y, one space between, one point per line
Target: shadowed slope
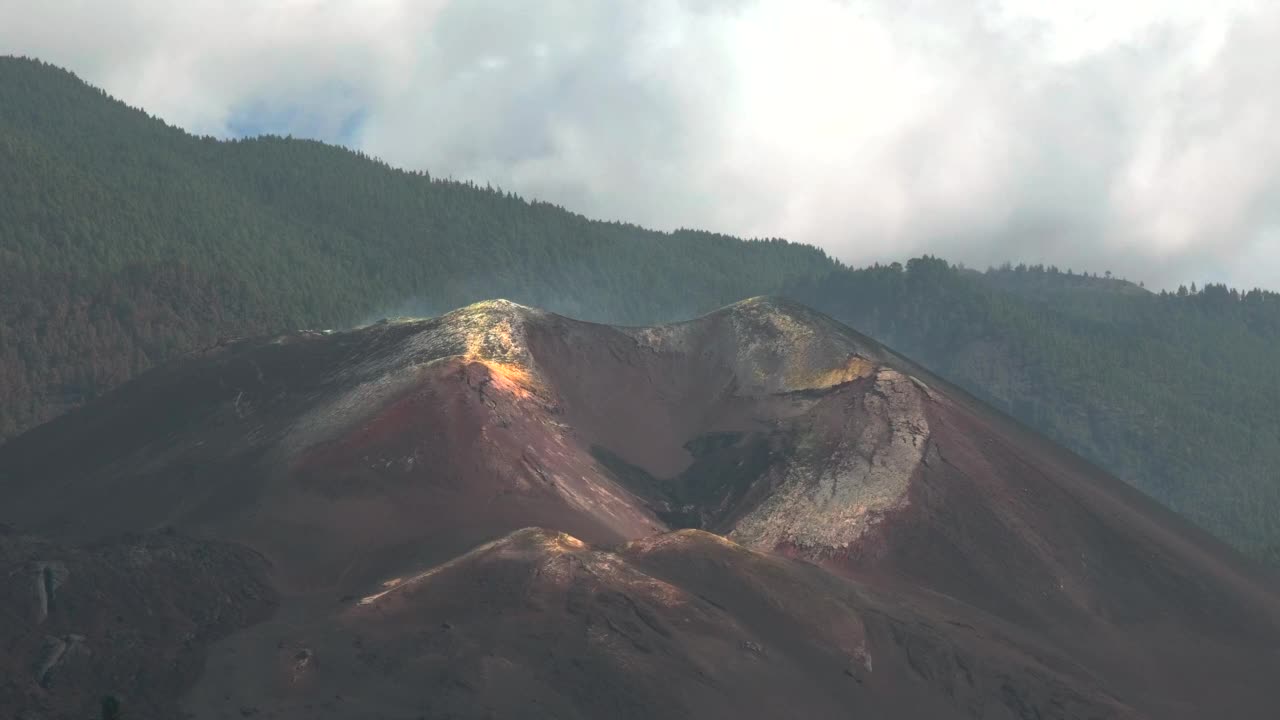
132 618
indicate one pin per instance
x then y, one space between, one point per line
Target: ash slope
538 624
353 461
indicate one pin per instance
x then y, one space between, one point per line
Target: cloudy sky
1137 136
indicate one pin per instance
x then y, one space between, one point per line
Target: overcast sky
1137 136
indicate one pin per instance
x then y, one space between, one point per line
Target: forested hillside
124 242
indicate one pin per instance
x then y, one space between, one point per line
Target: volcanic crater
501 512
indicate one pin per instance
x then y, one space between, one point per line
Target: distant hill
125 242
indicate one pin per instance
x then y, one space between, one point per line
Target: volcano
502 512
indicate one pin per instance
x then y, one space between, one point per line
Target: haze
1135 137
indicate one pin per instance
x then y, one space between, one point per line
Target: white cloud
1130 136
